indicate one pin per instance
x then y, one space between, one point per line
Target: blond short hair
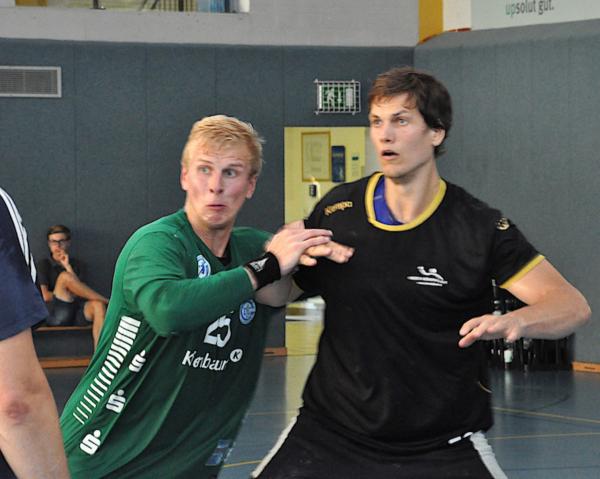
220 131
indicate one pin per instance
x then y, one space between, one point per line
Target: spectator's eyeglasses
60 243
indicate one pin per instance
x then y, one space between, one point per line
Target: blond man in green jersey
180 351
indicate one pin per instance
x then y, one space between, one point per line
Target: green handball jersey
177 361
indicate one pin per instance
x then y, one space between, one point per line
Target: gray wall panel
428 61
396 57
37 150
303 65
478 157
528 125
249 86
111 175
104 159
583 198
510 119
174 101
549 163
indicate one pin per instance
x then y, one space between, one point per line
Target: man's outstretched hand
305 246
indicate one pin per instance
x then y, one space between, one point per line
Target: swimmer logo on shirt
429 277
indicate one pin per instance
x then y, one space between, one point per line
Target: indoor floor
547 423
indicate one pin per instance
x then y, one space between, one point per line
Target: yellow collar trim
370 209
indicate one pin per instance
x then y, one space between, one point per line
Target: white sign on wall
510 13
338 96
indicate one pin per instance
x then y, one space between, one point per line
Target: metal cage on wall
340 96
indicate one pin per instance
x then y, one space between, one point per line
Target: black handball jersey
389 374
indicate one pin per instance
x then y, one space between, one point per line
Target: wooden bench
63 346
73 346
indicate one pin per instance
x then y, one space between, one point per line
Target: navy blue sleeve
21 305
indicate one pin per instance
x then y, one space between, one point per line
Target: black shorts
315 453
62 313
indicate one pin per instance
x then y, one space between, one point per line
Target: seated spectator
70 301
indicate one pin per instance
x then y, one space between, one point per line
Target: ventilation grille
38 82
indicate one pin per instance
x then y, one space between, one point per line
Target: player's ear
438 135
183 177
252 186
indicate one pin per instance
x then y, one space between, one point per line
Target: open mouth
388 154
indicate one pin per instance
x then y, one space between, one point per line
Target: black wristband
265 269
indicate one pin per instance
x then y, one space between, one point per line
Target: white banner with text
511 13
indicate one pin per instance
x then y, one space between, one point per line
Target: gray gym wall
526 138
104 158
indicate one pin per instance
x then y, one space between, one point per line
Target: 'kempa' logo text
341 206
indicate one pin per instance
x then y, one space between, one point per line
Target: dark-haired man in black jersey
399 388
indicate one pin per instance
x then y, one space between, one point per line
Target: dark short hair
430 96
58 229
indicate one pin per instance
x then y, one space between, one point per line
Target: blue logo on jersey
247 311
203 266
